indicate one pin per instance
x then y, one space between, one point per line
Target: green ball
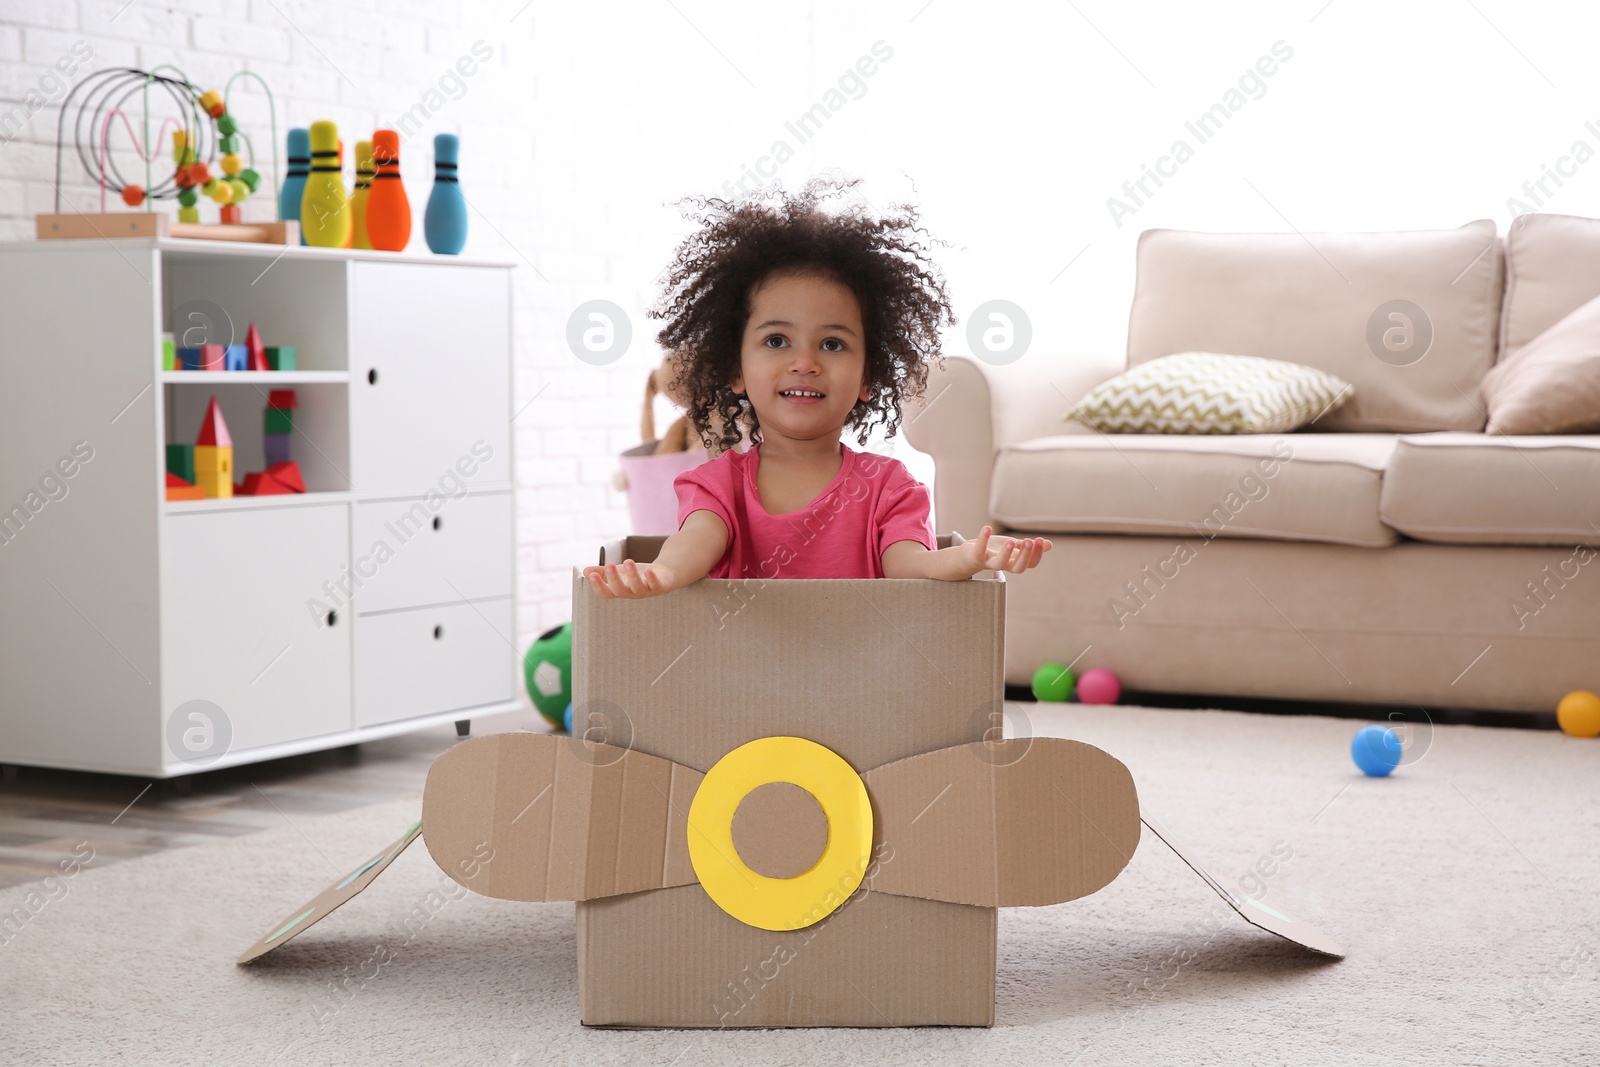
547 671
1054 682
187 197
241 189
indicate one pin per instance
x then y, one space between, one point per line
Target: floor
45 812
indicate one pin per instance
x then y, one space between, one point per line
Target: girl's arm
685 558
911 559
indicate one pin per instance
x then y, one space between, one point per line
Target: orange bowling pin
388 211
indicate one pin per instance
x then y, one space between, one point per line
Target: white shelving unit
382 600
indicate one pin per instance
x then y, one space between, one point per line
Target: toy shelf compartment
319 443
302 303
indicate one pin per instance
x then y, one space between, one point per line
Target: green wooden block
280 420
180 461
169 354
281 357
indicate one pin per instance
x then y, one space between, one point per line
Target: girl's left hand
1003 553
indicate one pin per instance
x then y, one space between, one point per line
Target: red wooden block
282 398
213 430
258 351
288 475
174 482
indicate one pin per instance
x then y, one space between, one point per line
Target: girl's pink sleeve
697 492
904 510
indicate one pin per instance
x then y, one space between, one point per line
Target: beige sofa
1392 553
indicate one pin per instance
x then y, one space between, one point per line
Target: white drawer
427 660
408 556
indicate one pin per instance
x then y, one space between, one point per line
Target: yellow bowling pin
325 216
358 202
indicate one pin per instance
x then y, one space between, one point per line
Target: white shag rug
1463 889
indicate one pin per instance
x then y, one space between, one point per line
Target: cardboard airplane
787 806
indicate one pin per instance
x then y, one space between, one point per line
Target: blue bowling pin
294 186
445 222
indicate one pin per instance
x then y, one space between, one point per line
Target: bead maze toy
203 127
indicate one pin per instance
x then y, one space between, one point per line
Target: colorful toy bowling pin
388 210
358 202
350 237
325 210
294 186
445 222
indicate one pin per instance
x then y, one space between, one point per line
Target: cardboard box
875 670
786 803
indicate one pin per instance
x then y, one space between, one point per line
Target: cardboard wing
1022 822
314 911
1254 912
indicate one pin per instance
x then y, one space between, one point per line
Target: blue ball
1376 750
566 719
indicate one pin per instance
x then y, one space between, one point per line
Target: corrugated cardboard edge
1272 920
314 911
542 817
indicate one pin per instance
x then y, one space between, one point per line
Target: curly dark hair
708 289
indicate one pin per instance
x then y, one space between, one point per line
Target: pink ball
1098 686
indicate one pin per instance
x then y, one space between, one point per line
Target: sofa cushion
1552 383
1552 269
1206 392
1296 487
1472 488
1411 319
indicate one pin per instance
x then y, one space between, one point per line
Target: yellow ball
222 193
230 164
1579 713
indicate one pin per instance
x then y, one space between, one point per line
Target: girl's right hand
630 580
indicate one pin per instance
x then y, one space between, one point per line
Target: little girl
801 323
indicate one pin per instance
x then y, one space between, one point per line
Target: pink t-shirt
871 503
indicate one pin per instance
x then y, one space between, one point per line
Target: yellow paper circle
781 903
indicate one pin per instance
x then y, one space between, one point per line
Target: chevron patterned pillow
1203 392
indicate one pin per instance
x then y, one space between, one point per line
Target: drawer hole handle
437 522
333 617
438 632
372 376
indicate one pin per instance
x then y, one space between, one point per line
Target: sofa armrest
973 409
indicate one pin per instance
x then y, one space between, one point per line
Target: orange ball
199 173
132 195
1578 714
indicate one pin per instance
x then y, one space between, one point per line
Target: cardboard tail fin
1272 920
313 912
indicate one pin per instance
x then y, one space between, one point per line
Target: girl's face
804 335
